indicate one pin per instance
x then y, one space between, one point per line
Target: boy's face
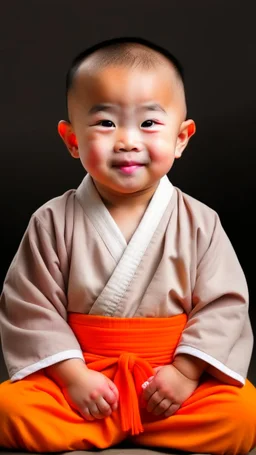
129 125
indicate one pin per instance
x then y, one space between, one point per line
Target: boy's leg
35 416
216 419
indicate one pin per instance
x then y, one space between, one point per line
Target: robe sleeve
218 328
33 317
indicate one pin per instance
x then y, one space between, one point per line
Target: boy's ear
68 136
187 129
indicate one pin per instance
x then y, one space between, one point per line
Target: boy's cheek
96 153
160 152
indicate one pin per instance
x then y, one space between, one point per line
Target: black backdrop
215 41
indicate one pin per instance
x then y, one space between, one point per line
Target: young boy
124 314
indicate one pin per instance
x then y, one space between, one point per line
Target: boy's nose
127 139
127 146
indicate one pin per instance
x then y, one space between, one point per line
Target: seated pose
124 313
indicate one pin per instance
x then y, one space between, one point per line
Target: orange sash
127 349
36 417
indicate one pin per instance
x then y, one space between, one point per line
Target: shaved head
127 52
126 100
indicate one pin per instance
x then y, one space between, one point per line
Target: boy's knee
11 409
241 419
11 401
245 405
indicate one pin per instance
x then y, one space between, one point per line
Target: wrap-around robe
73 258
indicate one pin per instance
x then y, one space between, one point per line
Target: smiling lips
128 167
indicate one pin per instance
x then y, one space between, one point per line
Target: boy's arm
189 366
33 307
218 329
67 372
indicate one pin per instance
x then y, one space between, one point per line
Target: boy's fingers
149 390
172 409
103 407
162 407
146 383
86 414
95 411
115 406
153 401
114 389
110 396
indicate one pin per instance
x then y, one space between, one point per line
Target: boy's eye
148 123
106 123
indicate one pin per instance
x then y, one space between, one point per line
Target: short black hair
118 42
118 45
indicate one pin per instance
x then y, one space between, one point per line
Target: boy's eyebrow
102 107
154 107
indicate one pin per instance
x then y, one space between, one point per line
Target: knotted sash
126 350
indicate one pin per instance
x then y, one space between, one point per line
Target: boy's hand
167 390
93 395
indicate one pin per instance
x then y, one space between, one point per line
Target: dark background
215 41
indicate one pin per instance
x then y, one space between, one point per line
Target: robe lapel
128 257
101 218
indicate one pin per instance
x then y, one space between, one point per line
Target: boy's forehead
123 82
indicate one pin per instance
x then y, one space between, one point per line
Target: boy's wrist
66 372
190 366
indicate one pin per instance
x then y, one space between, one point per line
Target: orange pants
217 418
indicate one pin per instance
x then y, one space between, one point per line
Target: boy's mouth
128 167
125 163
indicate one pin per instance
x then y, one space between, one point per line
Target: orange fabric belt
130 346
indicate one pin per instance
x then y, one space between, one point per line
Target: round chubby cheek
94 154
161 151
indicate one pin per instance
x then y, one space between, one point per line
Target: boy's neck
112 199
